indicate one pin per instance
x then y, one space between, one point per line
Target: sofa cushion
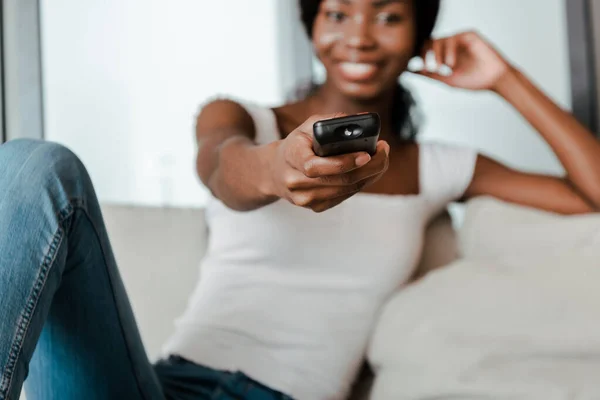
481 330
158 251
495 230
515 318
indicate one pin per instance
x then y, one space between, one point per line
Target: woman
287 296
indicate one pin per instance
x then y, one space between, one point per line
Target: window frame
21 82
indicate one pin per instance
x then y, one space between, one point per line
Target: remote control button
349 131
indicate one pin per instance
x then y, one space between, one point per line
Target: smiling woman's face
364 44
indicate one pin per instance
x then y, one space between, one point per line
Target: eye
335 16
389 18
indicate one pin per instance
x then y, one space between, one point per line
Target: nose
359 35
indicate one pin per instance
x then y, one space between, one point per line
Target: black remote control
349 134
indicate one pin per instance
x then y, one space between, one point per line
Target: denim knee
38 164
32 152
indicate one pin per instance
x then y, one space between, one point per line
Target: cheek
325 36
327 39
400 47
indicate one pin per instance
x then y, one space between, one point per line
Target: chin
361 92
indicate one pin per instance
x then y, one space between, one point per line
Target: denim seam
64 214
82 206
30 306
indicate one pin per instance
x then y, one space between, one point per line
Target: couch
417 350
159 251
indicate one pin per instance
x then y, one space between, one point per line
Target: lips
357 72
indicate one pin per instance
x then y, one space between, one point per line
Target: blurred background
120 82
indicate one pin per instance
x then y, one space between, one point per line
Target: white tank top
289 297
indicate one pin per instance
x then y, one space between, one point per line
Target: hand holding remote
320 183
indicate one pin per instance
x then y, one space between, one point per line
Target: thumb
307 126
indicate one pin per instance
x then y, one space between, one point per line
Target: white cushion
517 318
477 330
494 229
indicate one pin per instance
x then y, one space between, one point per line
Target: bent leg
60 287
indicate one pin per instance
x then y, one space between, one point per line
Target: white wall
124 79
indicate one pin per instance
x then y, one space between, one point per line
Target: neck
327 100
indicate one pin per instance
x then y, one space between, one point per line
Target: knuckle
310 169
326 180
347 179
344 180
299 137
340 166
288 154
291 181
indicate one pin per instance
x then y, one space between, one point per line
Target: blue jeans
65 321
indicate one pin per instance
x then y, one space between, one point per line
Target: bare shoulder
222 115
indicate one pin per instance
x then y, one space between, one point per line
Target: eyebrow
382 3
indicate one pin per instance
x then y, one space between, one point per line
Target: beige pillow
492 330
497 230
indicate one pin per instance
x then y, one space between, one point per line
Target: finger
469 37
309 198
321 206
438 51
427 47
313 166
434 76
451 52
382 149
301 156
377 165
296 180
329 204
369 181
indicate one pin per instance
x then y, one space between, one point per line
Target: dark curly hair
426 13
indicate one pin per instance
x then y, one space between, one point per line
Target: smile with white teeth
357 71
